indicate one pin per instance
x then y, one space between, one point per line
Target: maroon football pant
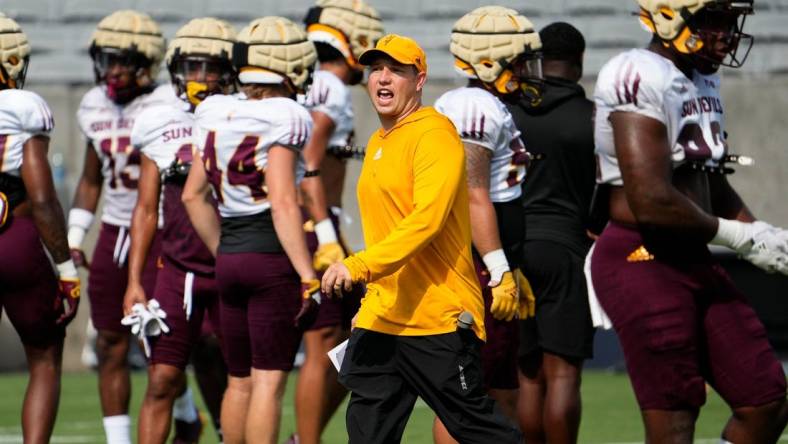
682 323
109 276
28 286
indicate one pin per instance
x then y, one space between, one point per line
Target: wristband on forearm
325 232
496 264
79 221
732 233
66 269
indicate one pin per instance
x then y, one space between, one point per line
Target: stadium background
756 99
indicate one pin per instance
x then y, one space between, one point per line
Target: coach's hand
336 279
527 302
310 304
505 298
326 255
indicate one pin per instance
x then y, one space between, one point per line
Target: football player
341 30
126 49
39 300
250 147
199 62
661 144
496 162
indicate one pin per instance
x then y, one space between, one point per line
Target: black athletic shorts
562 324
386 373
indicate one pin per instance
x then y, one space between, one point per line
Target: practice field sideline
609 412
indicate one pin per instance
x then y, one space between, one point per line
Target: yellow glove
505 296
326 255
310 304
527 305
329 249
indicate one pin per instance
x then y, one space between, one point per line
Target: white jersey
23 114
330 96
234 137
646 83
482 119
165 133
107 126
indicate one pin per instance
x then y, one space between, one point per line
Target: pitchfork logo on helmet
14 54
129 39
698 26
199 59
350 26
274 50
499 47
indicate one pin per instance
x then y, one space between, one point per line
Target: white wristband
79 221
67 269
75 237
496 264
732 234
324 230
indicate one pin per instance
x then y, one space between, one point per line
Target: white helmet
486 41
273 49
14 53
203 44
350 26
669 20
130 32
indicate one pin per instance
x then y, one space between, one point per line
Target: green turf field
609 412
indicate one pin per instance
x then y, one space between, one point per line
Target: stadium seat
31 10
534 8
434 36
171 10
611 31
398 8
92 10
774 4
239 10
447 9
768 28
595 7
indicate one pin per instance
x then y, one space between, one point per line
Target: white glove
146 321
155 325
761 244
137 319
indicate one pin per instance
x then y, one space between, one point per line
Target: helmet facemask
718 37
195 78
125 73
6 81
527 69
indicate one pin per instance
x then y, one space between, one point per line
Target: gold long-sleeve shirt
413 198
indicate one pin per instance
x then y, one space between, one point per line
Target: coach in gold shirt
417 267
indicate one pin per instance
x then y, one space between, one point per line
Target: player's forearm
203 218
87 195
288 225
51 225
314 198
726 202
484 222
663 207
144 222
